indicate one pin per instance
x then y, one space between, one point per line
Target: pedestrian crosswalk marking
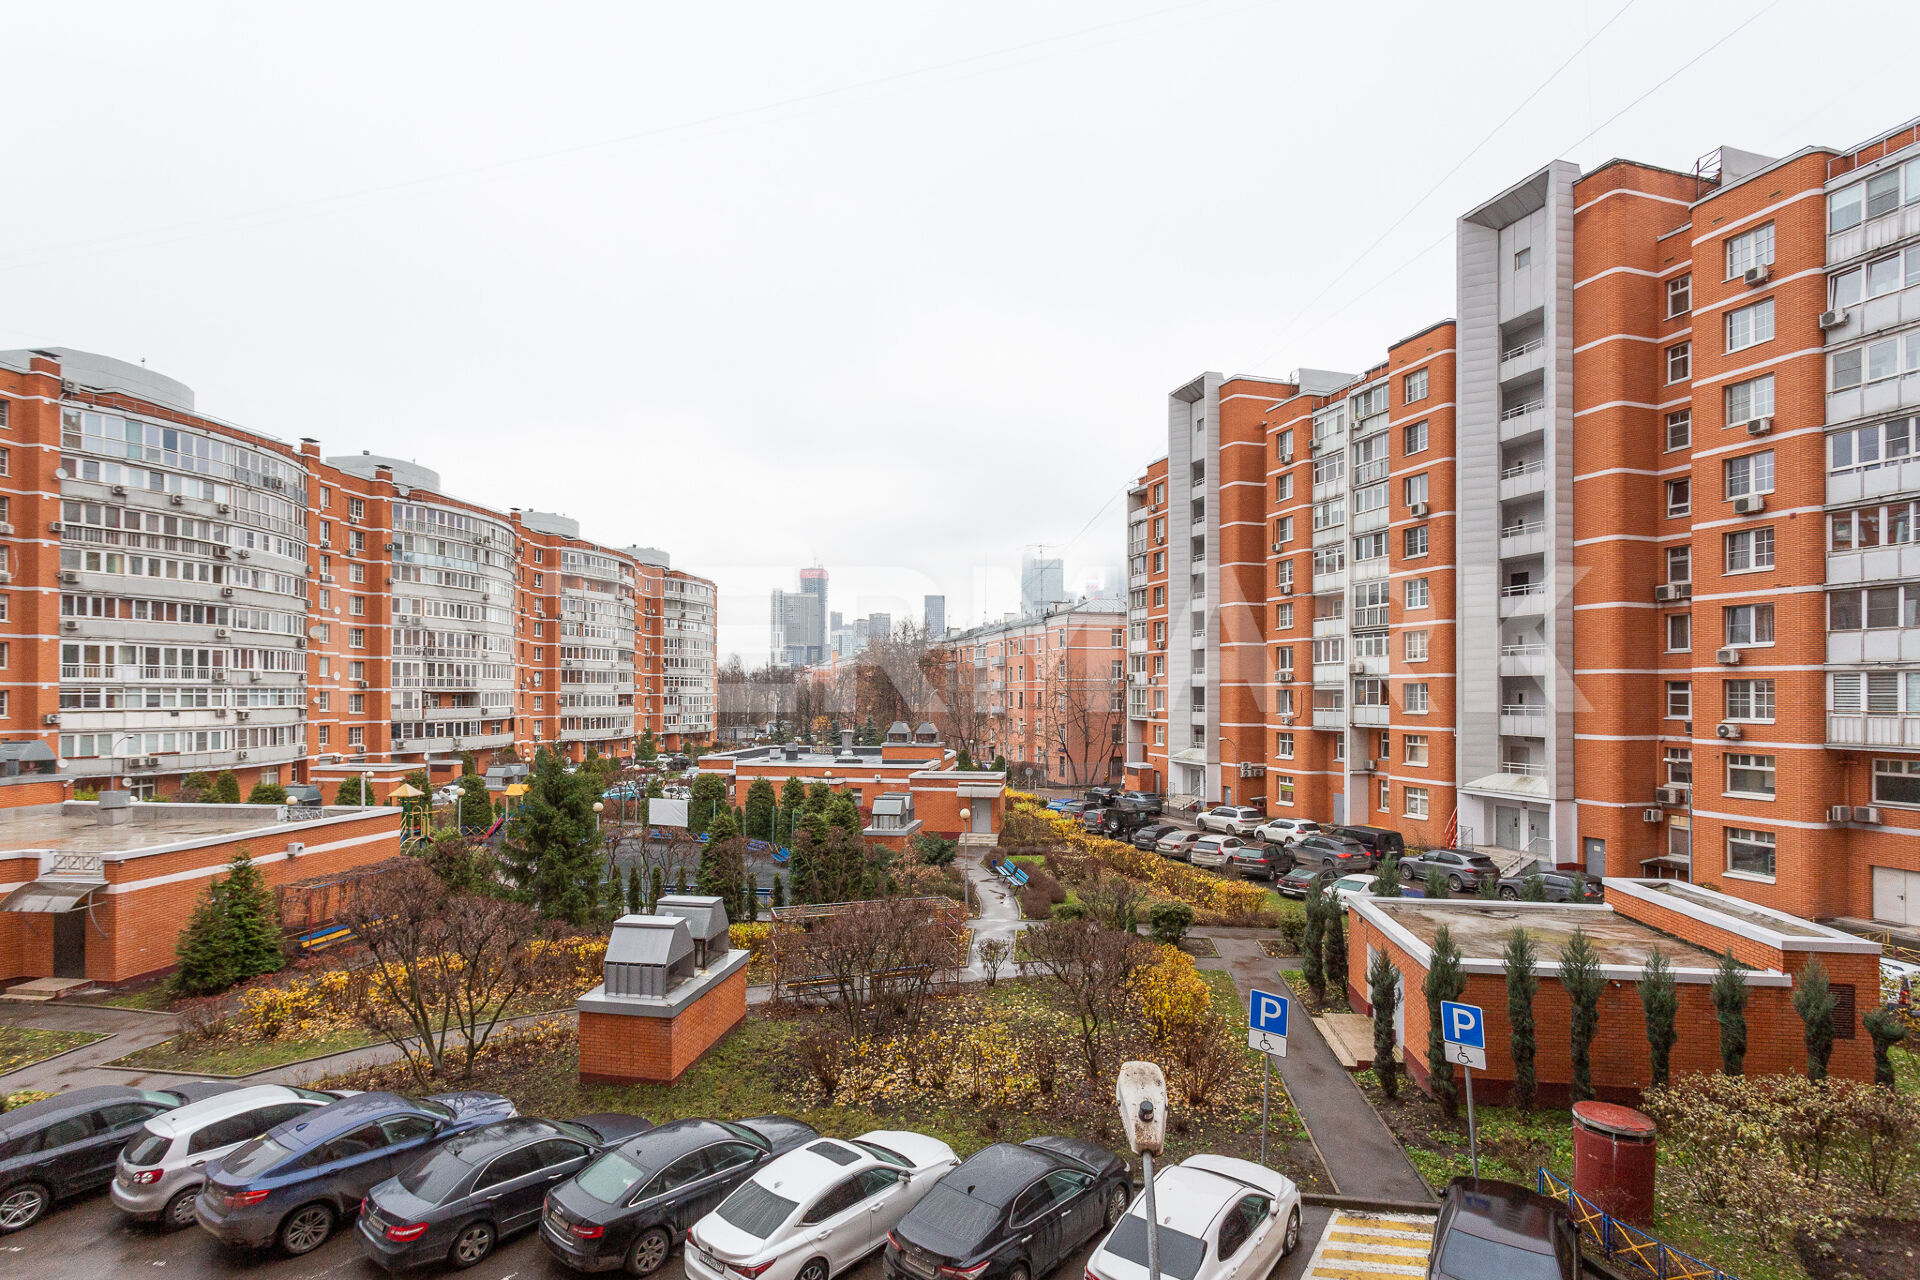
1369 1246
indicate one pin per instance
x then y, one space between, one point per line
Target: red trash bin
1613 1160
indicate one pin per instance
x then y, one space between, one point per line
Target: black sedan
1464 870
1558 886
1489 1228
1011 1211
1297 882
1261 860
63 1145
630 1205
482 1185
1149 836
1342 855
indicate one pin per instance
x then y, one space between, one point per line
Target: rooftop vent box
647 956
706 920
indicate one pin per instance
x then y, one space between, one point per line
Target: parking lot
89 1239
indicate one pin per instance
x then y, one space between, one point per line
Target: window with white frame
1750 853
1415 643
1679 564
1370 546
1750 326
1895 524
1522 259
1414 437
1678 762
1750 776
1750 473
1329 559
1371 498
1416 488
1418 596
1414 747
1882 444
1873 279
1328 514
1679 700
1679 361
1876 693
1386 796
1873 608
1749 401
1416 801
1329 467
1679 429
1878 361
1679 497
1283 617
1413 698
1414 386
1748 624
1283 746
1750 700
1896 782
1750 249
1679 632
1414 541
1749 549
1679 296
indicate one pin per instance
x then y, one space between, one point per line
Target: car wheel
814 1270
1453 883
1326 864
22 1206
306 1229
473 1244
1510 893
649 1252
179 1211
1291 1240
1116 1206
1019 1272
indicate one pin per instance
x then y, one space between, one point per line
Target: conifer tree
553 843
226 788
1334 946
1445 981
1383 989
1729 996
233 934
1518 961
1660 1001
1580 975
1312 962
1813 1000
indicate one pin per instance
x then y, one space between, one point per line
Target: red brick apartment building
1612 569
179 594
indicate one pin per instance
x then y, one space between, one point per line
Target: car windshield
146 1149
254 1159
434 1178
1180 1253
435 1109
609 1178
1468 1257
756 1210
957 1216
884 1153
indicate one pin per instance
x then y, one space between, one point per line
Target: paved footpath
1360 1154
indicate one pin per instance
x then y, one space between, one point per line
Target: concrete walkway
1360 1154
126 1029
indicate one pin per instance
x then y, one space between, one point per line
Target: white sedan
814 1212
1347 888
1219 1217
1285 831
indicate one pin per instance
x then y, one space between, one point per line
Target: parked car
1011 1210
632 1204
814 1212
1261 860
1377 841
292 1185
1463 869
1149 836
1118 823
1295 883
1559 885
1490 1228
1287 830
1177 843
1072 808
1146 801
479 1187
1101 796
1347 888
1213 852
161 1168
1334 851
1232 819
58 1147
1219 1217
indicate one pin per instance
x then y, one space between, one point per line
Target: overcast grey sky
898 288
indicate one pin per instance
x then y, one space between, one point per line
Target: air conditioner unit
300 642
219 677
1760 427
222 507
220 712
227 592
1277 546
1668 591
1670 795
1315 446
1417 509
1749 504
239 755
243 715
1833 319
254 677
69 625
393 546
326 577
1286 457
1862 813
119 491
1758 275
326 543
362 683
1287 718
177 499
6 529
1727 657
221 633
1729 731
1356 668
1286 588
69 576
244 554
52 717
53 526
221 553
1651 815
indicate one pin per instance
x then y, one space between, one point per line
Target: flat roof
812 758
72 828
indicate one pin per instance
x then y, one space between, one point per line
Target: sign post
1463 1029
1267 1033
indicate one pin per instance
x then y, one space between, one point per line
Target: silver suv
161 1168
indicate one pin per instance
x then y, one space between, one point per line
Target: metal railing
1523 528
1514 353
1623 1244
1519 469
1522 410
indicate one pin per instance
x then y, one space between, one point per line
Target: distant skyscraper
1042 582
879 626
935 617
799 621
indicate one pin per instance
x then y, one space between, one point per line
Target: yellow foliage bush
1196 888
1172 994
750 937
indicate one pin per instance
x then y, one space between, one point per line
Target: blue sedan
295 1183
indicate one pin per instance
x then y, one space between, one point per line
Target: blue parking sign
1267 1012
1463 1028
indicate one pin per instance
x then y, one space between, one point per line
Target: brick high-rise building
182 595
1046 692
1611 570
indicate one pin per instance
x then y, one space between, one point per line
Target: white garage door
1896 896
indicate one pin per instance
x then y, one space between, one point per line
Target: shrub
1334 949
1729 996
1383 983
1293 926
1580 975
1660 1001
1445 981
1312 965
226 788
233 934
1887 1030
1170 921
1069 911
1813 1000
935 851
1172 994
267 793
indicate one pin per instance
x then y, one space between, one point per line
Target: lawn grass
153 996
238 1058
24 1046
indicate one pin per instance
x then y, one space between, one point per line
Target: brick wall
615 1049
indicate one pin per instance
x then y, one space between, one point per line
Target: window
1679 429
1523 259
1415 541
1416 801
1679 361
1749 853
1749 473
1414 437
1872 526
1749 549
1386 796
1370 546
1414 699
356 637
1283 746
1283 617
1679 765
1750 700
1749 401
1415 488
1418 596
6 462
1896 782
1750 776
356 509
1883 444
1873 609
1846 207
1748 624
357 606
4 406
1414 387
356 736
1878 693
1414 746
1679 632
1750 249
1679 497
1750 326
1679 700
1416 646
1679 564
1679 296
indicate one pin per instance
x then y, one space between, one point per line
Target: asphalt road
88 1239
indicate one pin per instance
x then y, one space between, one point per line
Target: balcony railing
1519 469
1525 768
1523 650
1859 729
1525 348
1524 528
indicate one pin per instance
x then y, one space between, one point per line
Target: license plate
916 1264
710 1262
